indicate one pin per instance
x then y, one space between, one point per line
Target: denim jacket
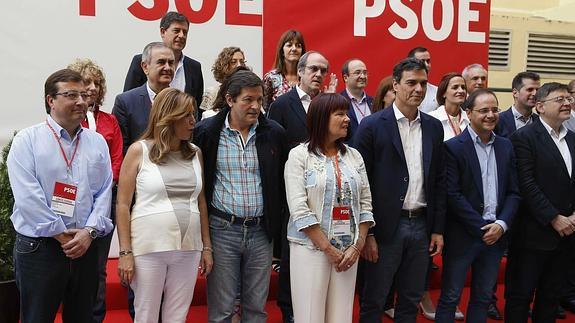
311 187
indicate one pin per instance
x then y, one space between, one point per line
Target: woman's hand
350 256
206 263
334 255
126 269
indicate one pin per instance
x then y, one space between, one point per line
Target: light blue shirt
488 165
35 163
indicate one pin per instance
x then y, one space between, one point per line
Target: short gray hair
147 52
302 62
465 72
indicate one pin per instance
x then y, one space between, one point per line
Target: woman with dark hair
283 75
451 93
330 212
384 95
228 59
165 235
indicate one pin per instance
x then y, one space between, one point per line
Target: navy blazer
132 110
272 154
545 185
192 73
506 124
465 190
353 124
379 142
288 111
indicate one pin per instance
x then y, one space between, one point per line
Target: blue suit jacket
288 111
192 74
379 142
546 187
353 124
132 110
506 124
465 190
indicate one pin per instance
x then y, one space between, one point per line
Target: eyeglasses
485 111
314 69
74 95
561 99
359 72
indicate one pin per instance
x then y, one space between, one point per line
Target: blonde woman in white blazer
330 212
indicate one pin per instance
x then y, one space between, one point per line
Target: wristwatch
92 232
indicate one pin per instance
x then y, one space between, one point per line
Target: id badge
64 199
341 221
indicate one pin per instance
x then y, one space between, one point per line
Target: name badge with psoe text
341 221
64 199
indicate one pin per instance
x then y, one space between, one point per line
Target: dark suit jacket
272 154
353 124
132 109
379 143
506 124
288 111
545 185
465 191
192 72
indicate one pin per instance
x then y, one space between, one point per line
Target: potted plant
9 298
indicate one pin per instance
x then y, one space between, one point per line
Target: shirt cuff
50 229
102 224
367 217
502 224
305 221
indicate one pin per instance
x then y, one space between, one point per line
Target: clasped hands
564 225
74 242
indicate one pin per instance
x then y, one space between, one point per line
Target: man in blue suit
187 72
541 240
482 198
403 153
132 108
354 73
524 86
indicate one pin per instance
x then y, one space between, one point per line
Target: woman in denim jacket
330 212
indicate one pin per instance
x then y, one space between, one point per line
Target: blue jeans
46 278
404 256
484 262
241 255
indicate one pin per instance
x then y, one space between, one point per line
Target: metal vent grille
499 48
551 55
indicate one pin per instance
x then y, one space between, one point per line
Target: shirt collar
60 131
399 115
442 114
227 125
302 94
151 92
562 131
476 139
518 115
351 97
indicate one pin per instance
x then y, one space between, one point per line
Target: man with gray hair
475 76
188 76
132 108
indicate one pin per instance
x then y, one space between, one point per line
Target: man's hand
63 238
78 246
369 251
563 225
493 231
436 244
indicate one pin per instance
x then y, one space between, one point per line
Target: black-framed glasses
315 68
487 110
561 99
74 95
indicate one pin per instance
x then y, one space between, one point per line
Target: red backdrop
456 32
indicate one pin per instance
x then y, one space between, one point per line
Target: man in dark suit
541 239
187 72
132 108
290 110
403 153
524 86
354 73
482 198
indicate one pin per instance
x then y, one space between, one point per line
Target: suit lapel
297 106
510 121
427 144
548 144
188 76
390 124
570 138
501 170
469 150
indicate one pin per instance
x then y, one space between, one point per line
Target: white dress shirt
411 140
429 103
561 143
441 115
179 80
304 98
151 93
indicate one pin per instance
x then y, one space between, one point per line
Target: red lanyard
456 130
68 162
356 106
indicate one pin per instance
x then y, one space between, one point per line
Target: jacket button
401 198
405 179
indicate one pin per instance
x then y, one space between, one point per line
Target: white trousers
172 272
319 293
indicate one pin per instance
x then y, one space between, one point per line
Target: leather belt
413 213
249 221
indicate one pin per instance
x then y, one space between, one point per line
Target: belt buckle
248 220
